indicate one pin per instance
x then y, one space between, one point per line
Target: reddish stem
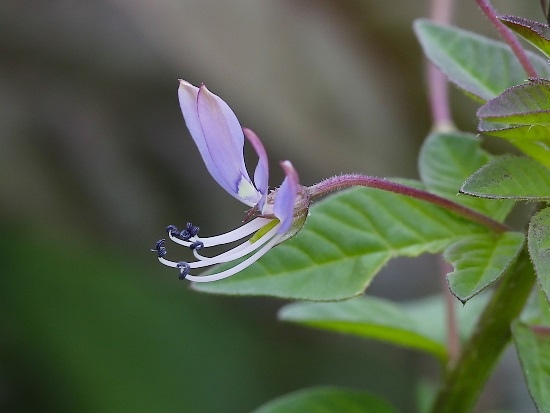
508 37
438 86
346 181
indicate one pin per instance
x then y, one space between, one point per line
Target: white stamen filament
228 237
270 238
239 267
239 251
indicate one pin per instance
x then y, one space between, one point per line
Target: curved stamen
241 250
239 267
160 249
184 269
197 245
223 254
174 264
228 237
235 253
190 231
172 229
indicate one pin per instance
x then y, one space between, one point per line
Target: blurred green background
96 161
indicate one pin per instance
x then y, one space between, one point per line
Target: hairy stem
350 180
508 37
463 382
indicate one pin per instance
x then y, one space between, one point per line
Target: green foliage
539 247
479 355
367 317
533 347
480 260
418 325
347 239
482 67
446 160
533 140
510 177
536 33
351 235
325 400
527 104
521 115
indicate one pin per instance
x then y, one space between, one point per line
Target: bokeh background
95 161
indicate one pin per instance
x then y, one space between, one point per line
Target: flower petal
219 138
283 207
225 140
261 174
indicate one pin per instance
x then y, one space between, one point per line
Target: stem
463 384
439 100
453 339
508 37
438 86
346 181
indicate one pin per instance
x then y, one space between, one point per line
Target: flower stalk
350 180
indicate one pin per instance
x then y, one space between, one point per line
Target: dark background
96 160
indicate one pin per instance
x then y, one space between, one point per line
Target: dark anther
160 249
197 245
189 231
172 230
184 269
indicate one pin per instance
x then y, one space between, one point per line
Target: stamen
196 246
160 249
240 250
184 269
230 236
239 267
266 236
189 232
172 230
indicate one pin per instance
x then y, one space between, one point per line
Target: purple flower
277 215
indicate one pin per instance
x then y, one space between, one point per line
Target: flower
274 216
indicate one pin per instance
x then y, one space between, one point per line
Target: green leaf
480 260
430 313
347 239
366 317
481 66
527 104
522 116
533 347
538 240
446 160
326 400
533 140
418 324
510 177
536 33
